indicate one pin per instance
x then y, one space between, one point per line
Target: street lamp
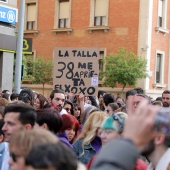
18 64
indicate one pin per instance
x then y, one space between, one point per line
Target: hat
115 122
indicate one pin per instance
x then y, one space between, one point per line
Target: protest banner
76 70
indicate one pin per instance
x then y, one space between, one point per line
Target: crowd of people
78 132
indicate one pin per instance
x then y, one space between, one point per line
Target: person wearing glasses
112 128
68 106
112 108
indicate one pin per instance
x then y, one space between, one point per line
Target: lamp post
18 64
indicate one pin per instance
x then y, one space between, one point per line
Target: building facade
138 25
8 40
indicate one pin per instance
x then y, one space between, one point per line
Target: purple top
63 138
96 143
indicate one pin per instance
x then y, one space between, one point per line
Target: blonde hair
93 122
24 140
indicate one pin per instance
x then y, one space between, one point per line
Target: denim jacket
89 151
4 156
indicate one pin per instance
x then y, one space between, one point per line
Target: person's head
70 126
40 101
3 102
166 98
139 90
89 110
92 126
27 96
159 99
112 127
14 96
6 91
49 119
160 144
111 108
6 96
57 99
23 141
108 98
18 117
77 111
100 95
119 99
138 98
131 92
51 157
157 102
68 106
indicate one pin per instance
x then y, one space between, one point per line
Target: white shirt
63 111
163 162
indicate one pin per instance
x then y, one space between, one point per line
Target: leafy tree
42 71
123 68
27 64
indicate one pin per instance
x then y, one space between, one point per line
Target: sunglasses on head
14 156
119 121
68 109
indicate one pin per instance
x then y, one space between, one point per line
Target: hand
139 125
70 95
81 97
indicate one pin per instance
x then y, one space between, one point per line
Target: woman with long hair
68 106
40 102
89 142
77 112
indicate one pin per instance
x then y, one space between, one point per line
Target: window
98 15
159 67
162 13
100 12
63 14
101 64
31 16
